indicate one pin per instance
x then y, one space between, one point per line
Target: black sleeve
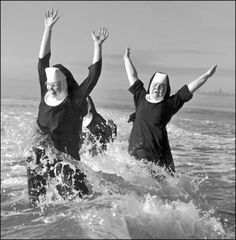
89 83
177 100
138 92
132 117
42 64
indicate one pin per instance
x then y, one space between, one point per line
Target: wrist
48 28
206 76
96 44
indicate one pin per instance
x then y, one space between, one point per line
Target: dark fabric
149 139
93 109
42 168
71 82
100 133
167 95
131 117
64 122
103 130
42 64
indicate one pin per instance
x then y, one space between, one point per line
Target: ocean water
126 202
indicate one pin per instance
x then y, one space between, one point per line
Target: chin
157 96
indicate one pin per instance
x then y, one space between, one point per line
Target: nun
60 115
96 130
154 109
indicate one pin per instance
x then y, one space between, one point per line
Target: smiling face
56 82
54 88
158 86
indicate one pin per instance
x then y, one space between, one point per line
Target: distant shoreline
201 100
209 93
223 94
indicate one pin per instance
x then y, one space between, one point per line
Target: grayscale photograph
117 119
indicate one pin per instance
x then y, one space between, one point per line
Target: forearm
90 82
196 84
130 70
97 55
45 46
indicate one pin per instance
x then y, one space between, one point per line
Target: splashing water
125 201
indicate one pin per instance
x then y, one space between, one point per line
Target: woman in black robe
154 109
59 122
97 131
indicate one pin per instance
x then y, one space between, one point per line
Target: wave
126 200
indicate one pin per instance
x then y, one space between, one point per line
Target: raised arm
130 69
197 83
50 19
98 41
95 69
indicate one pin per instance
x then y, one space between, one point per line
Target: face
158 88
54 88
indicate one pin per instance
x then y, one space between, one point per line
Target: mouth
53 93
157 92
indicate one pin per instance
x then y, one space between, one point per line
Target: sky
182 38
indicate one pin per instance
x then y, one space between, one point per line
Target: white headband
54 74
159 77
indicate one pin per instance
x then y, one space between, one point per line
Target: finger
106 34
46 14
213 68
104 31
55 14
55 20
100 31
105 37
52 11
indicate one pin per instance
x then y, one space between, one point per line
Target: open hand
211 71
101 36
127 52
50 18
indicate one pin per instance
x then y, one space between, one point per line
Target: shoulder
95 65
136 86
183 93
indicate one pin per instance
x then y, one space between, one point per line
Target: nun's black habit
149 138
64 122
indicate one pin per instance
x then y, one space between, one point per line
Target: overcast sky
183 39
